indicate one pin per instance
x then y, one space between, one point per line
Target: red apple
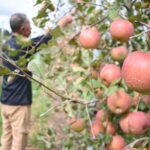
119 102
96 128
77 124
121 30
138 122
135 122
110 128
136 72
117 143
149 147
124 123
119 53
102 116
146 99
109 73
89 37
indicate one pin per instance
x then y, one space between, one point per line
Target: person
16 95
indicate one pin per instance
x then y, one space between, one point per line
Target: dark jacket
18 91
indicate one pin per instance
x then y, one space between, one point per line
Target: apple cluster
136 75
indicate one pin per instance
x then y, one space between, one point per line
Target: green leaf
22 61
14 52
112 14
107 138
115 82
138 5
57 32
4 71
50 131
142 105
50 6
95 83
52 42
112 90
38 2
23 41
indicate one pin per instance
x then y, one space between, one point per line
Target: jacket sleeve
36 42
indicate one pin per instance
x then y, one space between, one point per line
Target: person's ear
22 29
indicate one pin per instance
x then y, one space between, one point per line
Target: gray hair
17 20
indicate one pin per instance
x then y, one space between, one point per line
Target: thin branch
136 141
67 101
143 23
40 83
90 121
99 21
90 3
139 34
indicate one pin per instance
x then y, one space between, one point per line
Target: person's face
25 29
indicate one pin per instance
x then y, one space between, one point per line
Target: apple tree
97 65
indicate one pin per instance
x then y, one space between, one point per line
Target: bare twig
143 23
90 121
90 3
139 34
136 141
67 101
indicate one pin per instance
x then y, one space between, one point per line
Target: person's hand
64 21
47 30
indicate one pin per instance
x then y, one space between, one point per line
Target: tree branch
46 87
90 3
139 34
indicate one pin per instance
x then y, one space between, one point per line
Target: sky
8 7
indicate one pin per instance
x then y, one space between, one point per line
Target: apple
110 128
89 37
146 99
121 30
135 73
110 73
77 124
96 128
124 123
102 115
149 147
117 143
119 102
139 122
135 123
119 53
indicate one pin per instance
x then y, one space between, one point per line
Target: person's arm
36 42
